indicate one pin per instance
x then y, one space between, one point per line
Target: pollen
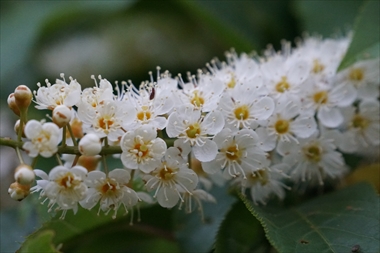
233 153
283 85
144 115
320 97
282 126
242 112
105 123
317 66
142 149
231 84
108 188
360 122
166 173
67 181
260 176
313 153
193 130
197 100
356 74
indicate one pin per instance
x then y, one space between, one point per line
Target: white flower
95 96
150 103
190 126
111 190
204 94
104 120
327 100
244 105
59 93
284 77
44 138
362 127
238 153
63 187
141 149
364 76
314 158
24 174
265 182
170 179
284 125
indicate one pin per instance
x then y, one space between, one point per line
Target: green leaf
88 232
331 223
365 43
337 15
195 235
40 242
240 232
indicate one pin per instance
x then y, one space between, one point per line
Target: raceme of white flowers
256 123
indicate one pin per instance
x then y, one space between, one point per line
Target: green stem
72 135
75 160
63 144
71 150
58 159
34 162
105 164
19 155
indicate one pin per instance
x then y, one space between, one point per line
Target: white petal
207 152
167 197
213 122
32 129
303 127
263 108
330 117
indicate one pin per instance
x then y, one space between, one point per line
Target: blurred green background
124 40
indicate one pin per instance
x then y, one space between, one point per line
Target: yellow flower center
317 67
356 74
197 100
166 173
193 130
144 114
320 97
231 84
313 153
242 112
360 122
260 176
282 126
233 153
105 123
283 85
108 188
67 180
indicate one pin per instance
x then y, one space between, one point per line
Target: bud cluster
257 123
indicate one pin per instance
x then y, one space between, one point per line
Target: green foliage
240 232
332 223
39 242
366 39
88 232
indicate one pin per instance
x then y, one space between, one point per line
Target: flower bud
89 162
17 127
18 192
61 115
76 127
23 96
90 145
12 104
24 174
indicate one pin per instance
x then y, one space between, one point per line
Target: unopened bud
76 127
12 104
61 115
18 192
24 174
90 145
89 162
17 127
23 96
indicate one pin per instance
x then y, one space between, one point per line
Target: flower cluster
254 122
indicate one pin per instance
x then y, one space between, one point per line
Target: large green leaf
195 235
240 232
366 40
332 223
88 232
40 242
